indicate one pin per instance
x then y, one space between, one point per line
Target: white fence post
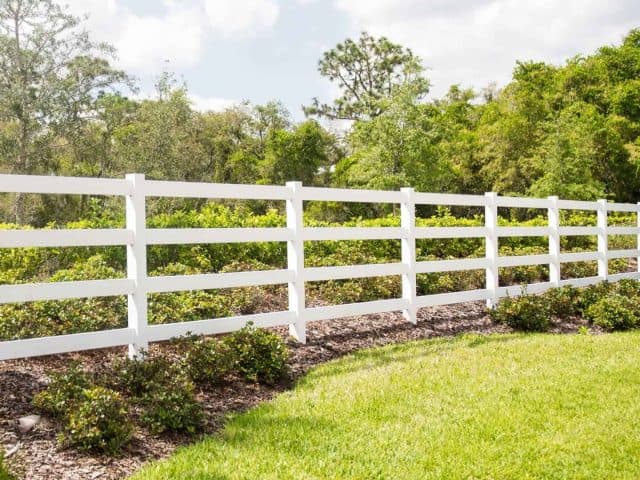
554 241
603 248
137 264
295 262
491 247
408 247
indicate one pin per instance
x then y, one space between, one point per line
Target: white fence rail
135 188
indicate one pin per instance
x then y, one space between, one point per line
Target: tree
161 139
299 154
398 148
367 72
50 72
568 157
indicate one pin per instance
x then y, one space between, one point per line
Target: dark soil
38 456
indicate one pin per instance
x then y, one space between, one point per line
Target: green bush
99 421
579 269
613 312
258 355
136 378
163 392
428 283
37 319
64 391
188 305
172 406
207 362
592 294
216 255
563 301
257 299
627 288
528 313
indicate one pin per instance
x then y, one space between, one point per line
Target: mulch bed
39 457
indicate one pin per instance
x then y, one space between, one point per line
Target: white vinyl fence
136 236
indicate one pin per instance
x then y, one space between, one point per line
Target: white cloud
475 42
177 34
144 43
241 17
176 37
208 104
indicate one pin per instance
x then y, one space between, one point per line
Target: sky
227 51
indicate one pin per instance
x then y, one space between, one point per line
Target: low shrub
99 421
258 355
613 312
529 313
563 301
627 288
64 391
187 306
172 406
162 391
136 378
255 299
59 317
207 362
441 282
592 294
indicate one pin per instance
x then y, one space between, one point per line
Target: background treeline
569 130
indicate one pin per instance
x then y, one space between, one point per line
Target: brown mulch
39 457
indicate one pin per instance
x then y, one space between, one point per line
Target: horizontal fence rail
138 284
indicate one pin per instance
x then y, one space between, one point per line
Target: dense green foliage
563 301
208 361
609 306
258 355
92 417
64 391
98 421
509 406
73 316
171 406
99 409
529 313
162 390
614 312
137 378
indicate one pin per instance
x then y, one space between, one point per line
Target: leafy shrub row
30 264
37 319
96 410
610 306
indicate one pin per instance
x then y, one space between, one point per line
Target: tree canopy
367 72
571 130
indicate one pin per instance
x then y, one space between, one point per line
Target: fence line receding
136 237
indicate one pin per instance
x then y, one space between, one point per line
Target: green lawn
499 407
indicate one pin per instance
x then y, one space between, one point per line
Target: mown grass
499 407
